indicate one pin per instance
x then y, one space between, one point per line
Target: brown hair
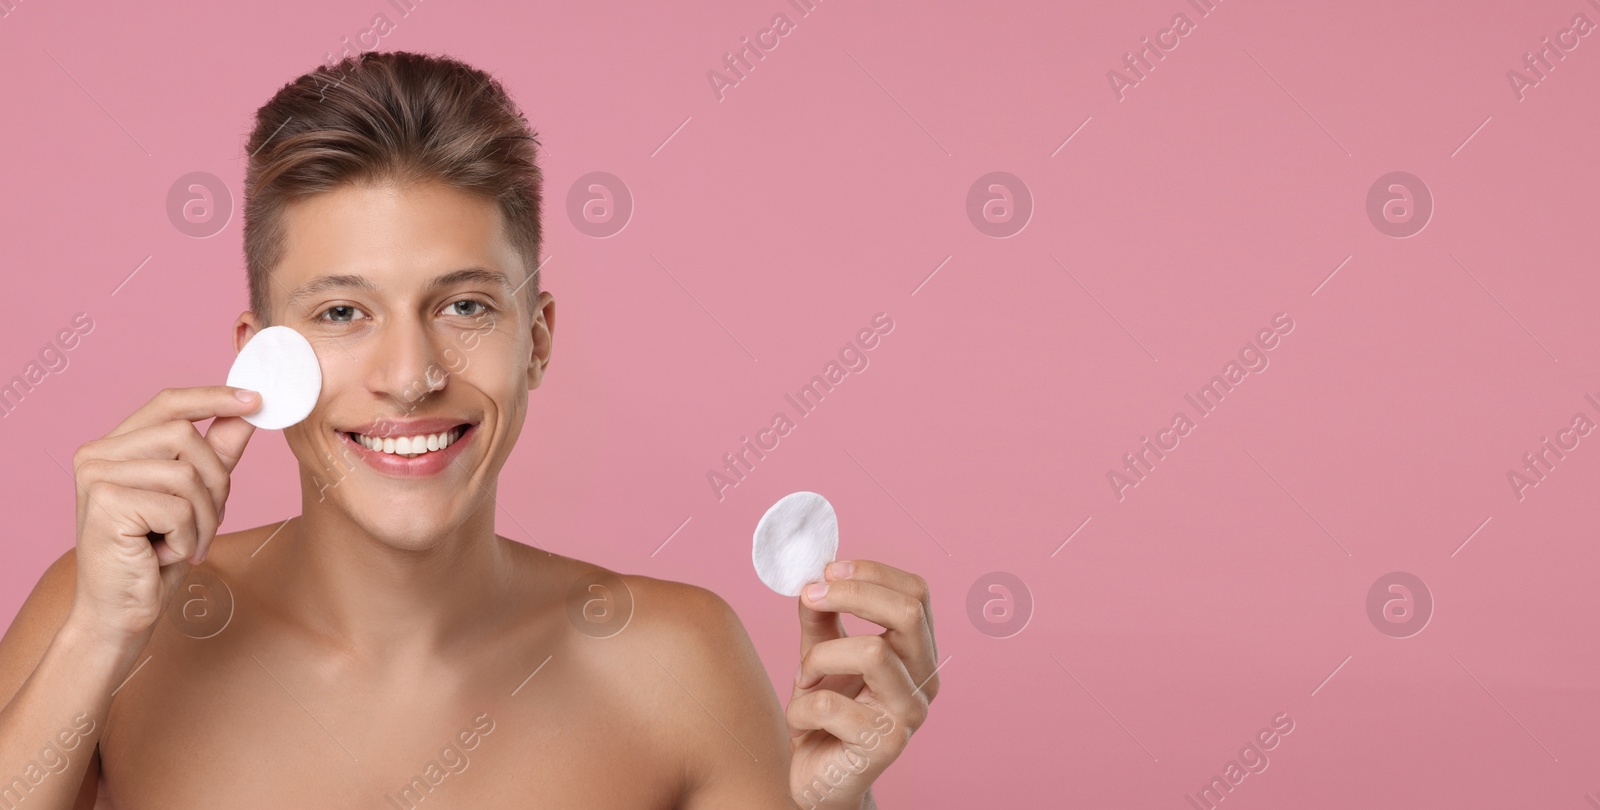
388 117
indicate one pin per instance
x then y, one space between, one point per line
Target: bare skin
385 647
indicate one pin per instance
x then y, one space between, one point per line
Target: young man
385 648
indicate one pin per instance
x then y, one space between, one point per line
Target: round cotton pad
279 364
794 541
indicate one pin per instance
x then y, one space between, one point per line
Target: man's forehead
394 241
376 229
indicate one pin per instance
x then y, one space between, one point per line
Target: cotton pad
279 364
794 541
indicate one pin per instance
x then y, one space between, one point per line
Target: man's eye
468 308
340 313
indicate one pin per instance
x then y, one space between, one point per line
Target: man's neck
381 603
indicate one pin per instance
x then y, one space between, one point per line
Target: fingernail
842 570
798 671
816 591
246 395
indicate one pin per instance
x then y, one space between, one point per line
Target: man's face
410 297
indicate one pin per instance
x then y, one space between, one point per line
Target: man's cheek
474 336
343 368
497 363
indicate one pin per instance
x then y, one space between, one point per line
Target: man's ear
543 332
244 329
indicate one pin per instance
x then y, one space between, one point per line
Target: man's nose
406 365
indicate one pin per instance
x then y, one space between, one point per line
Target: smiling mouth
410 446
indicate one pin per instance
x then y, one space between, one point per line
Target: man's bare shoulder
36 623
672 664
231 551
696 638
46 609
608 601
678 656
682 627
48 605
667 606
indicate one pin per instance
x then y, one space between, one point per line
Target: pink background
826 187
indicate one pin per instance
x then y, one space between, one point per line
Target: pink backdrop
1166 230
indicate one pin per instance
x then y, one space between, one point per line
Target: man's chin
407 512
405 533
414 521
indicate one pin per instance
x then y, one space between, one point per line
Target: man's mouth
409 446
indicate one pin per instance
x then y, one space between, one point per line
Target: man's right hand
155 474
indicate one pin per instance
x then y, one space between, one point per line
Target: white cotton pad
279 364
794 541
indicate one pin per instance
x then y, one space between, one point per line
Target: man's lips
395 428
414 444
410 448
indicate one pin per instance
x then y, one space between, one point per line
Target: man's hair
388 117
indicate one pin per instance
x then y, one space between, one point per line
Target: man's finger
875 662
890 577
166 477
138 513
860 726
166 441
193 404
881 574
890 609
817 626
902 615
228 435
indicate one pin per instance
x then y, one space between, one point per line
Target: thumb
228 435
817 626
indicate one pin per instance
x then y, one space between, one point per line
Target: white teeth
410 446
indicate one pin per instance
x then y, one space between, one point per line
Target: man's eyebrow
472 275
467 275
326 283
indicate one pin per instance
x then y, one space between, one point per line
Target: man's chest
245 731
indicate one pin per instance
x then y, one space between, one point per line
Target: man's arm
55 685
149 497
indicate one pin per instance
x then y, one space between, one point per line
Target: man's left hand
857 699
